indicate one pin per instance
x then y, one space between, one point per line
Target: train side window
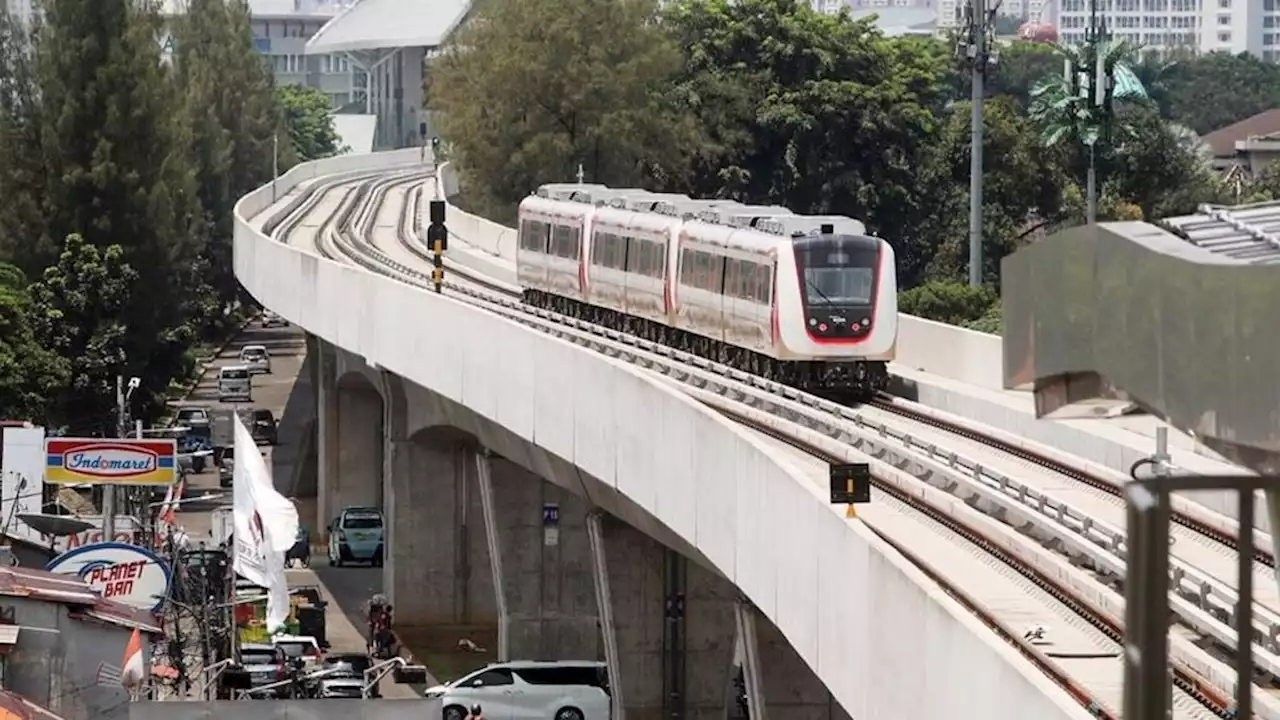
686 267
717 273
575 243
637 256
747 281
660 269
597 239
656 259
530 235
764 284
557 239
733 276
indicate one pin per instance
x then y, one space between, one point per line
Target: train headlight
866 322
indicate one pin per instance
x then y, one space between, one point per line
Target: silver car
256 358
266 664
341 687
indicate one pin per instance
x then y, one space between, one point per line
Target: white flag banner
266 526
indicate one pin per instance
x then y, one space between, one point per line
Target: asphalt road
287 393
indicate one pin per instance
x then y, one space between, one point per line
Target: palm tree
1066 109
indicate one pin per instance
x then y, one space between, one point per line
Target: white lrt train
808 301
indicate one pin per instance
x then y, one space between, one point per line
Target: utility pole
1095 85
109 491
976 50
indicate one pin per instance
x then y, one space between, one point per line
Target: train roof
644 201
737 214
792 225
566 191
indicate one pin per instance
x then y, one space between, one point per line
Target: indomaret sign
101 461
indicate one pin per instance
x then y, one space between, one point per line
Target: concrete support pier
488 561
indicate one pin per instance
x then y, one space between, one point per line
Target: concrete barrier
885 640
287 710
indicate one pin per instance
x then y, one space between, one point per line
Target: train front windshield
838 270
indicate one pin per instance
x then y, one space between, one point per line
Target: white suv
527 690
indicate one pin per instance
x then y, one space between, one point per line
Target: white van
527 690
234 384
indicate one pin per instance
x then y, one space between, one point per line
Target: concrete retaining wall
887 643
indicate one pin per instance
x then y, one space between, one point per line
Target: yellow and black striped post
438 241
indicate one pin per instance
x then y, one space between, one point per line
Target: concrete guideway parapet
887 643
1129 311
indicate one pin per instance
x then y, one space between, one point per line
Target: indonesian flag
168 511
132 671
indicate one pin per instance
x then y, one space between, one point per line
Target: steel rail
1109 625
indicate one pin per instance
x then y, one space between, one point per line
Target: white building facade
1201 26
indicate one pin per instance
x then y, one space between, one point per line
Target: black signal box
850 484
436 212
437 233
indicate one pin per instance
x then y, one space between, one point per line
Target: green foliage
118 173
816 112
1160 168
231 113
80 305
308 117
1213 91
30 373
1026 186
949 302
565 83
116 166
1022 65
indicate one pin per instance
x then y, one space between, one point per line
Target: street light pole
275 163
109 491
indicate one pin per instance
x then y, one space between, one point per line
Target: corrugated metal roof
71 590
1248 234
387 24
20 707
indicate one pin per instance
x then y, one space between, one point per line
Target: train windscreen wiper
818 290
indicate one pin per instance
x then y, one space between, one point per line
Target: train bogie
807 301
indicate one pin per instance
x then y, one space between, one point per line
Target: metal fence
287 710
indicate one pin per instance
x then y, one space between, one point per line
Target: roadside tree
308 118
118 174
232 115
81 313
558 85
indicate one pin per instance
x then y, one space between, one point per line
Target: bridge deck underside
1130 312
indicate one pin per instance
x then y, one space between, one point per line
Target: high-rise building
281 29
1201 26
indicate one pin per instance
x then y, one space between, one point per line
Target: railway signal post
438 241
851 486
